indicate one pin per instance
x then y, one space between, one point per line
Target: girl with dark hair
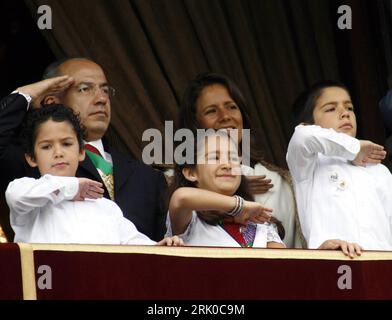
211 205
343 191
214 101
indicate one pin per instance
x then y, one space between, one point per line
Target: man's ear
190 174
51 99
30 160
82 155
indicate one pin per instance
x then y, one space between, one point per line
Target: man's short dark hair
52 70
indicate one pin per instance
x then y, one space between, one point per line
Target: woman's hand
88 189
349 249
258 184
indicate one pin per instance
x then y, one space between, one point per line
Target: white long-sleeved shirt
42 211
336 199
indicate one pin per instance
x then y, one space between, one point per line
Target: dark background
24 53
150 49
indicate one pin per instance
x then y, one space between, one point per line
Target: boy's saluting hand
89 189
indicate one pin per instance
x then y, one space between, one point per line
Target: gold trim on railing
214 252
3 238
28 271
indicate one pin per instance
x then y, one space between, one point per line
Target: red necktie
105 169
92 149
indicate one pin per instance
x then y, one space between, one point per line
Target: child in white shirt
211 205
58 207
342 190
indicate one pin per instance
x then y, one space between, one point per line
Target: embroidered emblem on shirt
337 181
342 185
334 176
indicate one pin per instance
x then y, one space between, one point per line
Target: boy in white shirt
342 190
58 207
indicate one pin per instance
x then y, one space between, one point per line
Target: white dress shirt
42 211
336 199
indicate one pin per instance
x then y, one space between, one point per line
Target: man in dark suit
386 112
386 109
137 188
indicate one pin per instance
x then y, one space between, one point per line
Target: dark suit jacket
386 109
139 190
